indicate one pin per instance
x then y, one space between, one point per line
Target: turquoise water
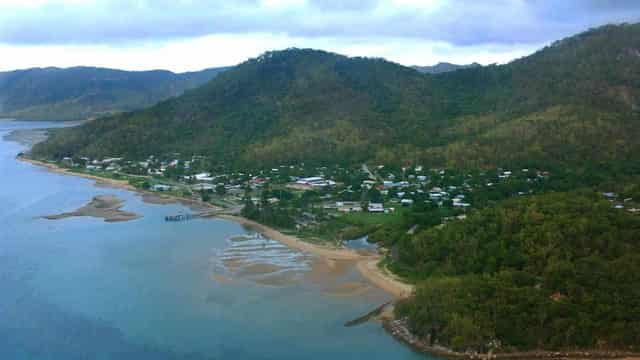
80 288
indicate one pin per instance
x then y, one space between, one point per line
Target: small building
203 177
348 206
376 207
160 187
461 204
202 187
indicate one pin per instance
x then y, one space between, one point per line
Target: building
160 187
202 187
375 207
203 177
348 206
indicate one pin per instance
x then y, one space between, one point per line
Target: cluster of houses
621 204
397 188
108 164
354 206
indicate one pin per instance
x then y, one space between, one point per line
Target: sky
188 35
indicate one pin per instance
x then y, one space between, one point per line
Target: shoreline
153 197
367 265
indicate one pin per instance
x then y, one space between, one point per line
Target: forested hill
83 92
575 100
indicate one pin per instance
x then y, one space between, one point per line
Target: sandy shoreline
366 263
100 180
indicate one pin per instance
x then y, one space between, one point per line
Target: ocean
82 288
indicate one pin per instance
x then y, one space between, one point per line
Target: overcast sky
183 35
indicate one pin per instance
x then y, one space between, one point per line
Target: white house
160 187
375 207
203 177
202 187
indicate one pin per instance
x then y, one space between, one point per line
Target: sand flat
107 207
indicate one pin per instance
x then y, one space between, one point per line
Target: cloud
462 23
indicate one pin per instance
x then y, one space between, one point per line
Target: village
305 198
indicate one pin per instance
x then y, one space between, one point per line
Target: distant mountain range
85 92
442 67
570 102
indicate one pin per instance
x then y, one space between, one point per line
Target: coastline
151 197
367 265
58 170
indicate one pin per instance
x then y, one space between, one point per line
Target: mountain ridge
81 92
443 67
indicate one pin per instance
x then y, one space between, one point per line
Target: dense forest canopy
552 271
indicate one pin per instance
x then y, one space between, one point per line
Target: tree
204 195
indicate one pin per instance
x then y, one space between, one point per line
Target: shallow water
80 288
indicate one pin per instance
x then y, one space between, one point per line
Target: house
160 187
461 204
202 187
348 206
375 207
310 180
110 160
203 177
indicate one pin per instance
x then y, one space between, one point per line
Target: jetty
191 216
180 217
368 316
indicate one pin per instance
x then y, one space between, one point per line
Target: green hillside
555 271
573 100
84 92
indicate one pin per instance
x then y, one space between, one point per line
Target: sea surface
81 288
